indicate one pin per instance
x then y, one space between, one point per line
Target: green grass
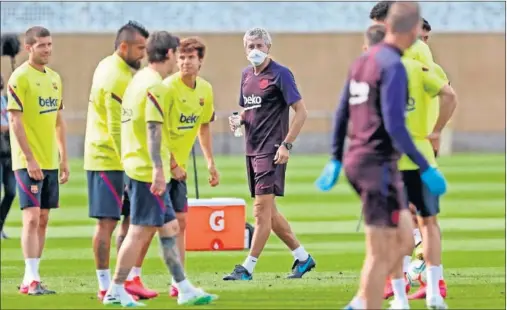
472 220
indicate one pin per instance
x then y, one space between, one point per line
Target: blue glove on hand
435 181
329 176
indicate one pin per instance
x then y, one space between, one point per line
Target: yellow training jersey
421 52
145 100
38 95
190 107
423 85
435 107
102 151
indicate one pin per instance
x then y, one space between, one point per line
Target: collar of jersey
185 85
121 63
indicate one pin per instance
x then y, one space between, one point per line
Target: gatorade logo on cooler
217 244
216 220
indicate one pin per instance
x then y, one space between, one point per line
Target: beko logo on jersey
48 102
191 119
252 99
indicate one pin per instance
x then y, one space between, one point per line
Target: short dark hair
35 32
159 44
128 31
426 25
375 34
380 10
404 16
193 44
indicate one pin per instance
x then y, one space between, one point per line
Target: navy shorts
380 187
32 193
147 209
178 195
264 176
419 195
106 194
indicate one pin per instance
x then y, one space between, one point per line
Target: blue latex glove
435 181
329 176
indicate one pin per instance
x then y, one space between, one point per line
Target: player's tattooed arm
155 143
171 258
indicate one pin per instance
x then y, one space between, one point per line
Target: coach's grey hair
257 33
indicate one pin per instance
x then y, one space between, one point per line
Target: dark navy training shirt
266 99
374 100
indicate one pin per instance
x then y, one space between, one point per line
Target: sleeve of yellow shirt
61 107
209 107
425 56
432 82
154 110
16 92
440 72
112 100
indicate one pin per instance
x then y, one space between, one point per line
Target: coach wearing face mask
268 91
7 180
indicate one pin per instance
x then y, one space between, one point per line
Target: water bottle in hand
235 122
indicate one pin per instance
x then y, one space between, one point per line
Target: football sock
433 274
250 263
406 263
300 254
31 271
136 271
441 271
399 289
130 276
357 303
104 277
185 286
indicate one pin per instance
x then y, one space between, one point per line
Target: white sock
300 253
104 278
399 289
119 289
406 263
417 236
250 263
441 271
31 270
357 303
433 274
130 276
185 286
136 271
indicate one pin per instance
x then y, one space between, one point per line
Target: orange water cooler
216 224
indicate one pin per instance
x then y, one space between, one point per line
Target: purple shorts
380 187
264 177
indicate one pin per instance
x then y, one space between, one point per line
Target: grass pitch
472 220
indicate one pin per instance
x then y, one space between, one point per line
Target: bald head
403 17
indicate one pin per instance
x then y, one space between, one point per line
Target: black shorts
381 190
264 176
147 209
178 195
106 195
419 195
32 193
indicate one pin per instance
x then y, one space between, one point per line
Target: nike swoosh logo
305 266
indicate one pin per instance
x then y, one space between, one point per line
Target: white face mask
256 57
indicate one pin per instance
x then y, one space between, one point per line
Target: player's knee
182 222
31 218
170 229
429 221
263 206
106 226
43 221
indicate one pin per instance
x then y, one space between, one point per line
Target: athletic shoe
196 297
101 294
239 273
421 293
436 302
173 291
116 299
136 287
300 268
36 288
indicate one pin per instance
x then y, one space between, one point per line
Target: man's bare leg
102 250
30 244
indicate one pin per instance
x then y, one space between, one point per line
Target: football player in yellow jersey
102 154
146 160
38 148
191 113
